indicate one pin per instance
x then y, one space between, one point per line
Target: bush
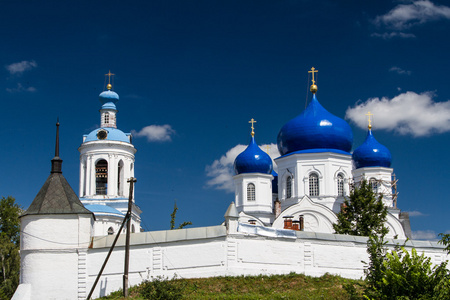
161 289
399 274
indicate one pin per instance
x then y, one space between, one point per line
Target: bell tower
106 162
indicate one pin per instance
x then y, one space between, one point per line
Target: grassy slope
291 286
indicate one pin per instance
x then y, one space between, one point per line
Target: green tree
9 246
363 214
173 216
399 274
445 240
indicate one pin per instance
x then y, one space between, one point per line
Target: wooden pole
107 258
132 180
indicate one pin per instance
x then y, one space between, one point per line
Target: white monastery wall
210 251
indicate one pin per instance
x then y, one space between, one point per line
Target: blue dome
108 96
315 129
105 209
113 134
371 154
253 160
108 99
275 182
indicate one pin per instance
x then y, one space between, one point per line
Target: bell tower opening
101 177
120 178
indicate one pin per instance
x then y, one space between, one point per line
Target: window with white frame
314 184
250 192
288 187
106 118
340 184
374 184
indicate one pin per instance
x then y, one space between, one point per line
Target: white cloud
416 213
155 133
391 35
20 67
20 88
424 235
399 71
404 16
407 113
221 170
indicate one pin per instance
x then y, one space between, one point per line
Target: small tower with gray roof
56 232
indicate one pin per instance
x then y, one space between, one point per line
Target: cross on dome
253 128
313 86
369 114
109 86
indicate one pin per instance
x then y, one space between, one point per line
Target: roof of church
314 130
253 160
105 209
56 195
371 154
113 134
108 99
231 211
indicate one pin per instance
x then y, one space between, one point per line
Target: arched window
340 184
250 192
120 178
132 228
314 184
106 118
101 177
110 231
288 187
374 184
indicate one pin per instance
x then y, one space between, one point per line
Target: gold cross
253 128
369 114
267 149
109 86
313 70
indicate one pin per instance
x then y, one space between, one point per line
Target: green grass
291 286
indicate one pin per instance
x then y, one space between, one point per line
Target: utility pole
132 180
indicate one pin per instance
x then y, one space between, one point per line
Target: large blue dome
112 134
253 160
371 154
315 130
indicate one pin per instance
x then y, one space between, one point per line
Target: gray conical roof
231 211
56 195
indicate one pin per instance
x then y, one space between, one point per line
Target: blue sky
191 74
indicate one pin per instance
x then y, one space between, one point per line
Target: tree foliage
445 240
363 214
400 274
173 215
9 246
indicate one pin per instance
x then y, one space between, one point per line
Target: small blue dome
113 134
108 96
315 128
253 160
104 209
371 154
275 182
108 99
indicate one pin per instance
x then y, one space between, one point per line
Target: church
279 222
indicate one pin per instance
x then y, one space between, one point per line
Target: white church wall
326 165
52 249
209 251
